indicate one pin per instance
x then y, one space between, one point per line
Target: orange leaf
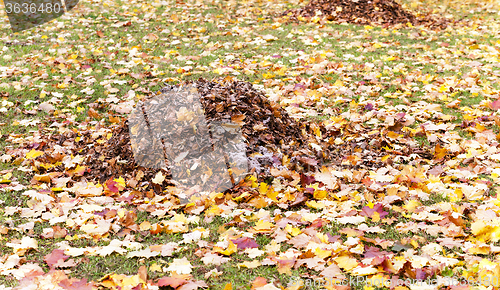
238 119
259 282
155 229
440 152
93 113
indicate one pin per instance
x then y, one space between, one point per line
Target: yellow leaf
485 232
145 226
338 83
129 281
250 264
384 159
214 210
268 75
281 71
393 135
263 188
320 194
272 194
411 205
228 286
347 263
242 196
159 178
314 204
238 45
34 154
320 253
263 226
292 230
155 268
480 250
231 249
120 181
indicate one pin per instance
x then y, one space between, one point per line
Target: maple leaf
26 243
76 284
371 209
332 271
145 253
231 249
285 266
34 154
258 282
159 178
250 264
495 105
245 242
327 178
262 226
173 282
345 262
440 152
55 258
180 266
214 259
193 285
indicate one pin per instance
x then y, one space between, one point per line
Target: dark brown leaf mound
264 125
376 12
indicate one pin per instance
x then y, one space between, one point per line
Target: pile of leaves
107 151
364 12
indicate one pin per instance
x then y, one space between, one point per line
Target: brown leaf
93 113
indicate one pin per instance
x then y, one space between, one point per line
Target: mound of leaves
363 12
269 131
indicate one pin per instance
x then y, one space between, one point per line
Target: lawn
406 117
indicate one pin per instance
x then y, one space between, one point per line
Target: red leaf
368 212
173 282
307 179
57 256
495 105
245 242
75 284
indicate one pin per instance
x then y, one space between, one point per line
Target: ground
414 198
